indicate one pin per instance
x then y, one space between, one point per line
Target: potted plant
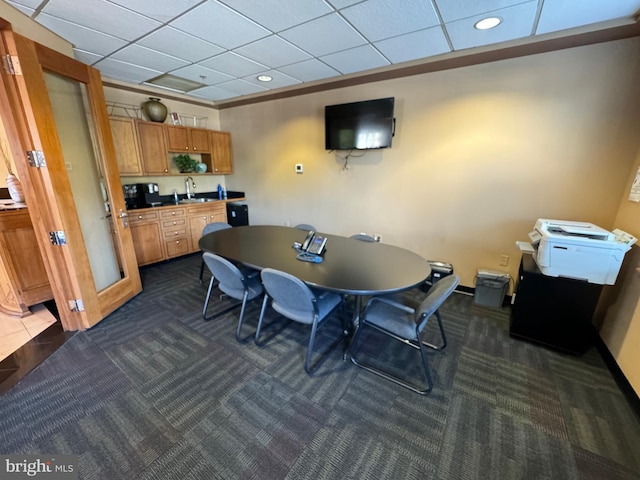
185 163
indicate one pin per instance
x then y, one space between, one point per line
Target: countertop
173 204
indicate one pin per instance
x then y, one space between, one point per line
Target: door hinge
36 158
76 305
57 238
12 65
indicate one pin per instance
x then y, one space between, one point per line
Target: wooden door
199 140
31 116
177 139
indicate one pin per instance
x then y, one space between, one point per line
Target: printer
579 250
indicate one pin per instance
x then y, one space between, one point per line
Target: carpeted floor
154 392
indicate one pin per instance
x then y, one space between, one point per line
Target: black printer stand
553 311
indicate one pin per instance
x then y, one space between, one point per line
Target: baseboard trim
618 375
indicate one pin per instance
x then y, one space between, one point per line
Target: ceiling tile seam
39 8
436 9
536 18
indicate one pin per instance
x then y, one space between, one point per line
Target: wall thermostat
299 168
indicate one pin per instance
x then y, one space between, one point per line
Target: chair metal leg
432 346
381 373
241 320
261 327
206 304
201 271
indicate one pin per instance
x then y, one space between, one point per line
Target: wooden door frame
48 190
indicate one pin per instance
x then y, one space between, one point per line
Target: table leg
355 323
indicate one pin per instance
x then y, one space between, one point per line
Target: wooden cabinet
221 155
173 223
23 277
200 215
147 236
153 147
186 139
127 146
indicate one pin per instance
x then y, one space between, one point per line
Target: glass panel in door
68 101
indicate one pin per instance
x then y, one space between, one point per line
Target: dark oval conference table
349 266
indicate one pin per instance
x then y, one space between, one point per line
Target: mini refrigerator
237 214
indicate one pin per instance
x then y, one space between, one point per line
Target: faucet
193 184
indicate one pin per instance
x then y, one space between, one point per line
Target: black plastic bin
439 270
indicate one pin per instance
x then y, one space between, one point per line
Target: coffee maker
138 195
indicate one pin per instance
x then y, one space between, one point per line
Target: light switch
299 168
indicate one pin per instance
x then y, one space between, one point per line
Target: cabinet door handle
139 217
177 242
173 213
175 223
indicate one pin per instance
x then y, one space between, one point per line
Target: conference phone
312 247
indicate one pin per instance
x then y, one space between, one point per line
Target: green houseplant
185 163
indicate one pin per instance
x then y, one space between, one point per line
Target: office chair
401 321
208 228
363 237
305 226
294 300
236 283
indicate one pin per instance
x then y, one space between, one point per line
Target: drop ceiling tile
309 70
560 15
87 58
201 74
32 4
81 37
213 93
380 19
26 10
355 59
342 3
279 80
161 10
233 64
240 87
277 16
102 16
220 25
145 57
517 22
415 45
180 44
273 52
459 9
324 35
125 71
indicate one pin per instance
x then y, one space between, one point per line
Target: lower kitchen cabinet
166 232
147 237
200 215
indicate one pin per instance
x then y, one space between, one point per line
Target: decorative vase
15 189
155 110
201 167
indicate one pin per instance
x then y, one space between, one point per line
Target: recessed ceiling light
487 23
265 78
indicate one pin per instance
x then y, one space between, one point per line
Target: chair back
230 278
436 296
290 296
214 227
363 237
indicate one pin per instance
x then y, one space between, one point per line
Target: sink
196 200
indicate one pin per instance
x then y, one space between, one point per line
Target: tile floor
27 342
15 331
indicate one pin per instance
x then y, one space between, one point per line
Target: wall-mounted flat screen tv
359 125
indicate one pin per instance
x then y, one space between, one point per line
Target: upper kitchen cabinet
186 139
125 141
155 160
221 156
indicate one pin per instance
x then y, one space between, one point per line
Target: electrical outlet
299 168
504 260
377 237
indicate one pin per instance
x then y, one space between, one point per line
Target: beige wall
479 154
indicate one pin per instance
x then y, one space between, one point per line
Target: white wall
480 153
